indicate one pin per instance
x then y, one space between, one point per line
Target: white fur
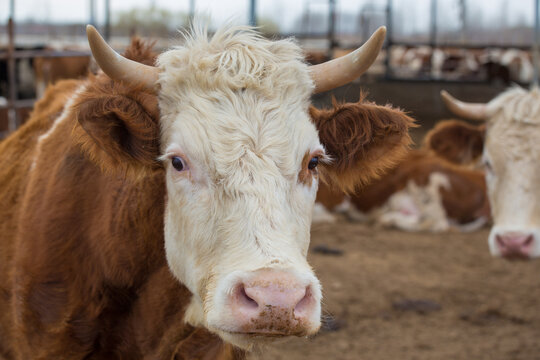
415 208
322 215
64 116
512 147
234 106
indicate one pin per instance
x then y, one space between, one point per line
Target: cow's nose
515 244
273 303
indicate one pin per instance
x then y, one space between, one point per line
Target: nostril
500 241
244 298
304 304
528 241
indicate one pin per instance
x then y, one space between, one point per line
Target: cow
315 57
519 64
161 208
426 193
24 76
507 142
329 202
49 70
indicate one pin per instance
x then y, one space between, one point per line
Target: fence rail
30 54
11 55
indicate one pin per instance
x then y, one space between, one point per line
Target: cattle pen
431 75
409 289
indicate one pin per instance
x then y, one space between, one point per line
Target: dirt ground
396 295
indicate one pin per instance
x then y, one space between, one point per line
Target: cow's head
242 159
508 140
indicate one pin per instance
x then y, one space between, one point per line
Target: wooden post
535 45
12 81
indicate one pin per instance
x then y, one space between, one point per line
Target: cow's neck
105 252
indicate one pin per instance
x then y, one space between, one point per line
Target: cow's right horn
117 66
343 70
470 111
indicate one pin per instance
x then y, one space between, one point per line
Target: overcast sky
284 12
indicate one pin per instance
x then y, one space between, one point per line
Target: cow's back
16 156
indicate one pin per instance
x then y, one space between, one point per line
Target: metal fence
386 13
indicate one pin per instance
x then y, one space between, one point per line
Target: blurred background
388 294
431 44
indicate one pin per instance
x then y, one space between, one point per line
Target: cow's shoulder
18 151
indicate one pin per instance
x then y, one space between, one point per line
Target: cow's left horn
340 71
470 111
117 66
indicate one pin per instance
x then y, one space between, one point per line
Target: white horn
117 66
340 71
471 111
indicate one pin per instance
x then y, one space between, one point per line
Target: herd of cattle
504 66
492 64
161 208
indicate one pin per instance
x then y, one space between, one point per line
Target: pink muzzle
273 303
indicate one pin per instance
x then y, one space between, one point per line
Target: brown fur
119 126
465 201
52 69
362 139
307 175
119 123
83 269
22 116
456 141
329 197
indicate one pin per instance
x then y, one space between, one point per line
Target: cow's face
508 145
511 156
241 157
243 154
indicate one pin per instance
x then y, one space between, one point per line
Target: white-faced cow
509 142
160 212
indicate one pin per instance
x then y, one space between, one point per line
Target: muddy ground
396 295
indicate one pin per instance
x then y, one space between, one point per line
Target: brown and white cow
508 140
164 212
426 193
49 70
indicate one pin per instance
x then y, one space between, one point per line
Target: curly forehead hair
233 58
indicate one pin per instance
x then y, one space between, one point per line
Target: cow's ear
362 140
119 128
456 141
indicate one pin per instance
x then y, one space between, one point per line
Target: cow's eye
487 165
313 163
178 163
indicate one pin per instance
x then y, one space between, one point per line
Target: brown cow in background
49 70
425 192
